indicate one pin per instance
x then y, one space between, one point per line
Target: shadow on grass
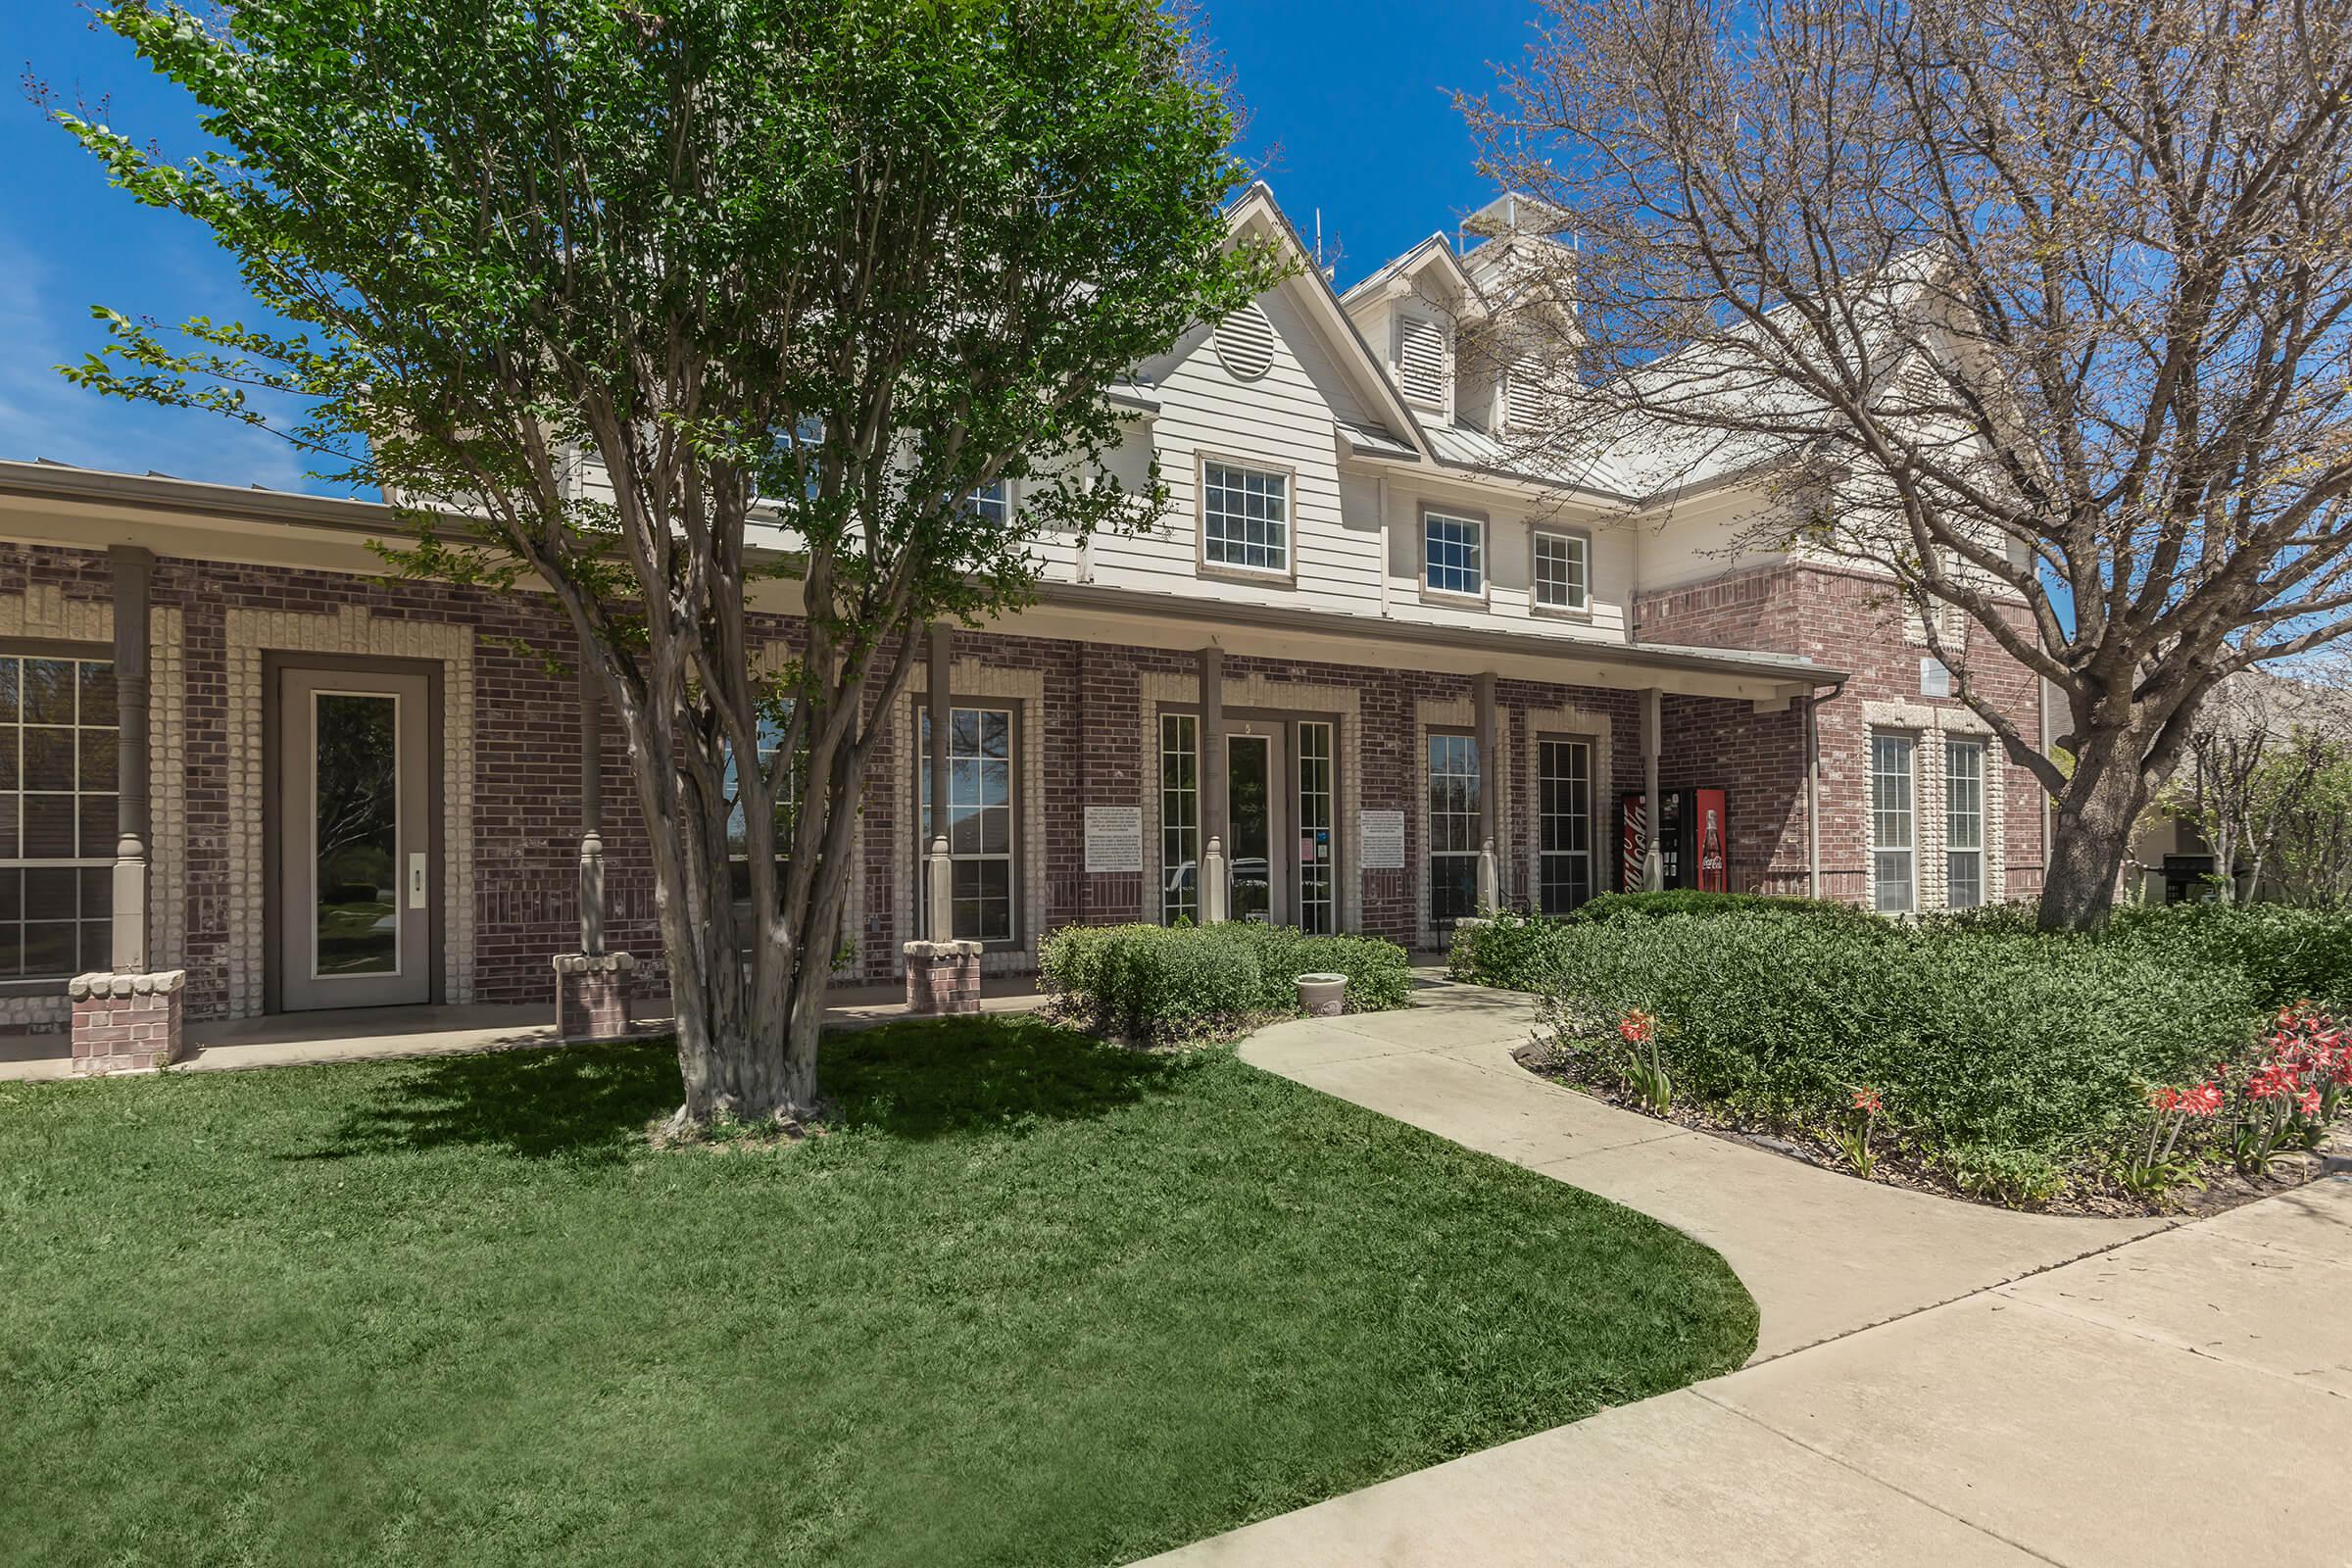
988 1074
932 1079
574 1102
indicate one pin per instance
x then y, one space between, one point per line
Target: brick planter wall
591 996
127 1022
943 977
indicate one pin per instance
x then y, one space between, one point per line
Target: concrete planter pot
1323 996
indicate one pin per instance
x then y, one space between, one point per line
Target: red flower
2203 1100
1867 1101
1637 1027
2308 1102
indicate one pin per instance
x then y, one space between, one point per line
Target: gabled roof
1436 249
1257 205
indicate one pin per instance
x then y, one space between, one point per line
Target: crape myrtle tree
2039 303
830 266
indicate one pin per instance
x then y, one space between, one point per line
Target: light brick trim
1572 723
969 677
1933 727
1458 712
346 629
1297 699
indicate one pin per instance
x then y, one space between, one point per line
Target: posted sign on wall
1114 838
1383 848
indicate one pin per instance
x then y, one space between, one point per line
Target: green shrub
1606 907
1520 953
2006 1057
1160 983
2287 954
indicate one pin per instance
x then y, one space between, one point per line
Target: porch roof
227 522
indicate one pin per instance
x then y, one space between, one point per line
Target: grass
1039 1301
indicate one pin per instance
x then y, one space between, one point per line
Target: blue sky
1350 114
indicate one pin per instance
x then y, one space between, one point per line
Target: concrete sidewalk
1936 1386
1823 1254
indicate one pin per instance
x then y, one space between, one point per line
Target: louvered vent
1523 397
1421 359
1246 343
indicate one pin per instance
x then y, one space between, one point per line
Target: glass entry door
1255 806
357 871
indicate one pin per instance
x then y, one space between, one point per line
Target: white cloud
43 325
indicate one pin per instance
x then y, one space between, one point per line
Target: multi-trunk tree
801 279
2040 305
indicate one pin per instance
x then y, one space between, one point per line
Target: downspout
1813 700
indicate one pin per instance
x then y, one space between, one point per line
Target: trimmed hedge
2289 955
1152 984
1689 901
2006 1060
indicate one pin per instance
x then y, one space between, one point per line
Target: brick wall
1091 727
1845 620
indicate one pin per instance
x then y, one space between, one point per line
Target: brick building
1367 673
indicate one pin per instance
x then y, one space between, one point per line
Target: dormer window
1421 368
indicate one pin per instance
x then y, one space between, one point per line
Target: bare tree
2039 304
2254 752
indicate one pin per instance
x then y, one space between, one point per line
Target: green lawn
1041 1301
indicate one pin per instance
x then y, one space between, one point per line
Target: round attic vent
1246 343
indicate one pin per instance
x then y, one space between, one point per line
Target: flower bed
1998 1063
1155 984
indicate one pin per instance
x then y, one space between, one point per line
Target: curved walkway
1935 1382
1823 1255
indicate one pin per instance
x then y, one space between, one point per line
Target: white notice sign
1383 841
1114 838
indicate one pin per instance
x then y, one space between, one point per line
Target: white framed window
992 502
1245 517
1453 800
1454 554
1179 818
1421 359
1963 823
1317 830
980 808
1564 818
1562 573
58 816
1893 852
771 741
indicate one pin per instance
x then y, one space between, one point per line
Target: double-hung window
1454 555
58 816
1894 880
1964 823
979 825
1245 517
1563 571
1454 797
1564 818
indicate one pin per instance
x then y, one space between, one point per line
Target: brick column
592 985
129 1019
943 978
591 996
127 1022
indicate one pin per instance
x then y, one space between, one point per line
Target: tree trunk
2095 815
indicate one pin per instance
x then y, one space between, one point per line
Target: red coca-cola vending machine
1695 843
